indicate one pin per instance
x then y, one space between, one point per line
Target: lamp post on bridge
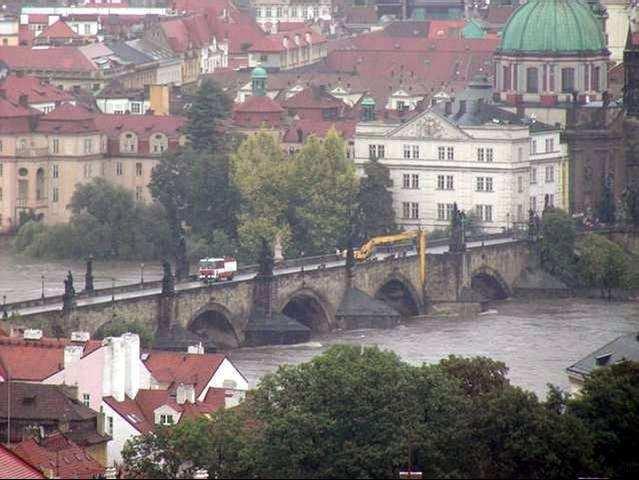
5 315
142 274
42 292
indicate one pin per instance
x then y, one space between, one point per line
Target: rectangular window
595 79
551 200
86 399
372 151
406 181
544 80
414 181
119 168
449 182
489 184
533 203
56 145
506 74
87 170
136 108
0 145
88 145
414 210
480 155
489 155
415 151
405 209
520 184
533 176
87 29
441 211
380 151
279 12
0 194
520 213
110 425
450 153
480 184
550 145
138 169
485 213
440 182
55 171
138 194
551 78
533 147
441 153
532 80
567 80
268 12
1 165
449 210
406 151
586 76
550 174
55 194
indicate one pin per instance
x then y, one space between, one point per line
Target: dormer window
128 142
166 419
159 143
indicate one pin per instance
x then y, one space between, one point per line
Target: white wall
122 431
226 371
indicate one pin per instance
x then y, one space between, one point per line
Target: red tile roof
319 128
25 36
68 118
288 26
241 35
36 360
313 98
13 466
142 125
499 15
37 91
58 29
50 58
61 455
445 28
259 104
131 412
276 42
188 32
38 18
175 367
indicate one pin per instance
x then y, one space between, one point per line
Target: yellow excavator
366 250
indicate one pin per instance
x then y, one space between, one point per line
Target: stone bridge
315 296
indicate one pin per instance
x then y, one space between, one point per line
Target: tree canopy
375 214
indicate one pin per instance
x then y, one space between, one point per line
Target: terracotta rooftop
309 127
36 360
50 58
13 466
60 455
68 118
58 29
257 104
313 97
142 125
35 89
277 42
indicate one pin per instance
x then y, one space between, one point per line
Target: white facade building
269 12
483 158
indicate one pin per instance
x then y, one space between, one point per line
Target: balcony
32 152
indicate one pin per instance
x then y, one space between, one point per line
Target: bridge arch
399 292
214 322
310 308
489 282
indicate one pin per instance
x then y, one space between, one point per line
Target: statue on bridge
168 282
457 237
68 299
266 261
88 276
181 260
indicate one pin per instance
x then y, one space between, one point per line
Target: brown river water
537 339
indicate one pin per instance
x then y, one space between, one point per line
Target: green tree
602 263
204 128
557 244
325 187
609 406
607 207
631 204
262 176
118 326
477 376
375 214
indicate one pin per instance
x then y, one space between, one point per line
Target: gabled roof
14 466
50 58
68 118
59 454
35 89
175 367
313 98
58 29
259 104
309 127
36 360
624 347
36 401
277 42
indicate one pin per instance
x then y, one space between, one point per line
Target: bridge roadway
242 277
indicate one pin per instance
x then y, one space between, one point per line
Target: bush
118 326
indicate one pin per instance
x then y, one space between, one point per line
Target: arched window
40 186
128 142
158 144
532 80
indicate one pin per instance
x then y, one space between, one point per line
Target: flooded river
536 339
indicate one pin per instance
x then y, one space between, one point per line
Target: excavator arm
366 250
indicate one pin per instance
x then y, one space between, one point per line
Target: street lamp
113 289
142 274
42 294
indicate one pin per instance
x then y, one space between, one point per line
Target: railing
318 261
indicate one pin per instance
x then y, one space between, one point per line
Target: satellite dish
4 70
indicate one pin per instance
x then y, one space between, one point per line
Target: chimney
131 363
196 349
185 393
448 107
116 358
23 101
80 337
32 334
72 354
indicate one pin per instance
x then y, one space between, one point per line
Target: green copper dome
561 27
258 72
